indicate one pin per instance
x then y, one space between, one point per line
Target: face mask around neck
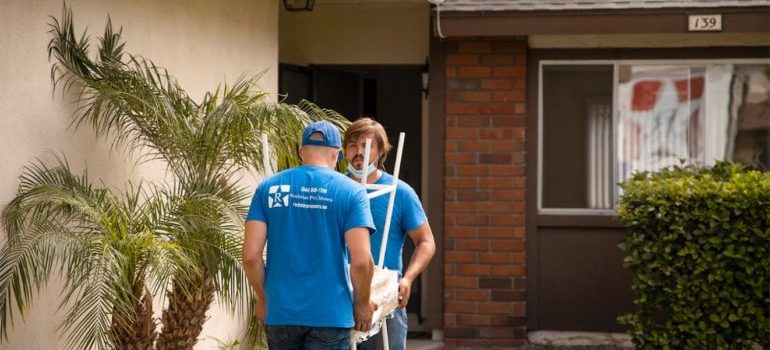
360 173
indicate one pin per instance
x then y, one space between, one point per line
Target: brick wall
484 255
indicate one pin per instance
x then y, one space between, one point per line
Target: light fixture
299 5
425 74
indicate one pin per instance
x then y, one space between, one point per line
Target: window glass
577 136
749 105
664 114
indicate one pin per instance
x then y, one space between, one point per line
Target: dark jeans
307 338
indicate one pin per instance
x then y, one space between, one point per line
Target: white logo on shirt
278 196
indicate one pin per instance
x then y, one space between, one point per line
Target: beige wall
203 43
393 32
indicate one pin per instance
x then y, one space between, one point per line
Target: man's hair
363 126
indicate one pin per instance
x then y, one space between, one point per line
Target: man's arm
253 265
424 248
361 271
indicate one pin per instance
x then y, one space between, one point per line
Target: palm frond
105 245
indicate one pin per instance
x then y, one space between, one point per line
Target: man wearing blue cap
307 215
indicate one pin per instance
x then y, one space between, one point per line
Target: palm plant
108 248
205 145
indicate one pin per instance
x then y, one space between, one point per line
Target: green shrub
698 249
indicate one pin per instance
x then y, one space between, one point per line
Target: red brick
494 158
495 232
508 246
518 133
497 133
520 59
462 60
518 284
450 320
463 83
471 245
471 219
498 60
461 282
495 307
472 295
450 146
496 207
507 270
462 108
495 283
472 121
474 320
497 108
449 294
460 257
509 96
518 158
496 257
460 182
506 320
461 232
495 183
520 108
506 170
472 195
474 72
474 96
518 84
460 158
461 133
519 232
509 72
507 146
505 121
461 207
451 96
496 332
519 309
519 183
473 146
507 295
507 219
497 84
504 195
461 306
474 47
473 170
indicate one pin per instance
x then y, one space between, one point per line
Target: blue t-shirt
307 210
407 216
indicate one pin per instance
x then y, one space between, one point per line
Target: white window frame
615 64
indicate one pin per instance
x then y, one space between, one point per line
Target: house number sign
704 23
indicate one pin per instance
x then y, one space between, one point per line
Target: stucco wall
203 43
356 33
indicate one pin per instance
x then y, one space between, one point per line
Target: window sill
597 219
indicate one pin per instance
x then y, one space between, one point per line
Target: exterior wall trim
509 23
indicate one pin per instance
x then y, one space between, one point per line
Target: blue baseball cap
330 133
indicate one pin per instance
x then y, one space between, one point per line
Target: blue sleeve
412 214
256 211
359 212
